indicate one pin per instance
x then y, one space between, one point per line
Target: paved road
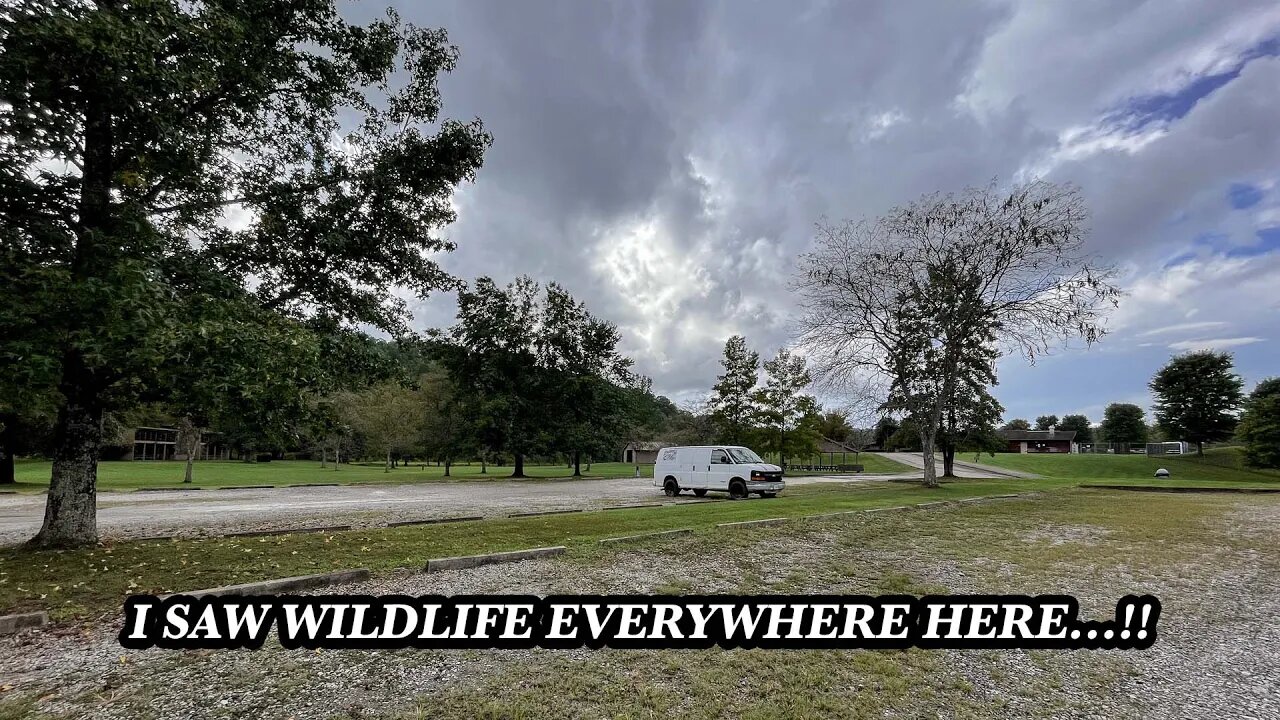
199 512
963 468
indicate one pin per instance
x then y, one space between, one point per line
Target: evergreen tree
1197 396
732 404
1259 428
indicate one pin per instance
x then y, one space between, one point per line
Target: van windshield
743 455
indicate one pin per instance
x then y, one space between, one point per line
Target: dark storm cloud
666 161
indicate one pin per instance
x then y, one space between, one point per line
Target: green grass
872 464
1185 471
91 582
33 475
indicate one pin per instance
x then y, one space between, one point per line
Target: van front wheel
737 490
671 487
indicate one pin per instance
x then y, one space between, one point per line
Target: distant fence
1113 448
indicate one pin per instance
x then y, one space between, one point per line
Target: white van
727 468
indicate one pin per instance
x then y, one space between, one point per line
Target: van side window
719 457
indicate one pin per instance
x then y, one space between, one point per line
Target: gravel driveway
197 512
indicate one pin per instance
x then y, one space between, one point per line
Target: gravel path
209 512
1218 655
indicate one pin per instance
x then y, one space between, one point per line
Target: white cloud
1214 343
1182 327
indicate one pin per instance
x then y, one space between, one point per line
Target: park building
638 452
1052 440
166 443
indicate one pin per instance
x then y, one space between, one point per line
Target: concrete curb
1158 488
637 505
289 531
749 523
284 585
247 487
888 509
316 485
542 512
435 521
470 561
935 503
10 624
827 516
646 536
165 489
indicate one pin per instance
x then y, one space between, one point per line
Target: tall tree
1197 396
885 429
1259 428
1018 424
1123 423
579 352
1044 422
835 425
782 405
732 405
1082 426
923 296
389 415
135 126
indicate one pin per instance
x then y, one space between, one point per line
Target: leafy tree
389 415
921 298
1017 424
446 427
968 424
579 354
1044 422
1197 396
885 429
835 426
1259 427
1082 426
781 406
1123 423
732 405
134 127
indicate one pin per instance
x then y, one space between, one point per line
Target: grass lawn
1185 470
33 475
872 464
127 475
92 582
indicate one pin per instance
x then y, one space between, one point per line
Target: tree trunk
387 468
324 455
1200 448
926 450
191 453
519 471
447 464
337 457
577 464
70 513
948 461
484 464
8 447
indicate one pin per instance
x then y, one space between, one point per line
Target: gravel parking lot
1211 560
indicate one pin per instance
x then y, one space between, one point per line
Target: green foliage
536 371
1196 397
1259 428
732 405
1123 423
1017 424
1044 421
788 421
135 128
1079 423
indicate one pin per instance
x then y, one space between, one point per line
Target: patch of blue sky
1268 241
1243 196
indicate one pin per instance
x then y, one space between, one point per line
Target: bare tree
924 299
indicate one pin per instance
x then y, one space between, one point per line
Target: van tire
700 493
737 490
671 487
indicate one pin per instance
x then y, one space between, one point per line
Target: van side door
697 467
720 470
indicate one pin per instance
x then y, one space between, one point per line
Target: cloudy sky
666 161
